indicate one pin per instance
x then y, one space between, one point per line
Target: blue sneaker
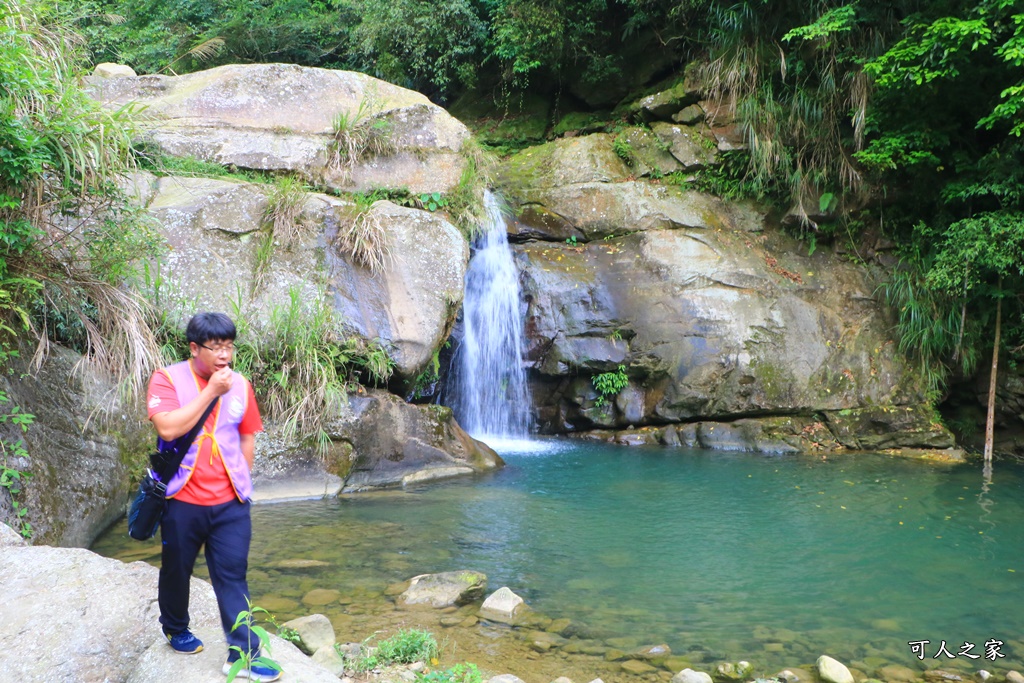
184 642
255 672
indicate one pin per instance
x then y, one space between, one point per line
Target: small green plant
572 241
460 673
623 149
405 647
433 201
11 478
245 660
609 384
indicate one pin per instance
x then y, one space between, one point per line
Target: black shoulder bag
147 507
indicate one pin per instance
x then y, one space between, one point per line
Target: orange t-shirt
209 483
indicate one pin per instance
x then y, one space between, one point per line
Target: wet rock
394 443
1014 677
981 675
691 676
795 675
502 605
300 564
277 604
732 671
652 653
613 654
562 679
318 597
315 632
942 676
451 620
833 671
897 673
883 427
444 589
635 666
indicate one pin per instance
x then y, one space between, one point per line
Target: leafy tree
428 46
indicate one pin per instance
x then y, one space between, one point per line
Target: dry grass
365 237
357 135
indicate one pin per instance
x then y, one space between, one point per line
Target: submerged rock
502 605
444 589
691 676
833 671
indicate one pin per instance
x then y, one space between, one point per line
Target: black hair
206 326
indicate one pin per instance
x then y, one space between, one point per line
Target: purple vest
225 433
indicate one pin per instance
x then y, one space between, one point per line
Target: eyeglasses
219 349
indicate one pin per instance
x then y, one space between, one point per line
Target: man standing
209 497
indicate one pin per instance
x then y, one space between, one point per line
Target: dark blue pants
226 530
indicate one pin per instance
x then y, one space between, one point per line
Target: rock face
391 443
216 232
78 450
282 117
710 314
71 615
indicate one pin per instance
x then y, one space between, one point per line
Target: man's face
211 356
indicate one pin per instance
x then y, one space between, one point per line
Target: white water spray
492 402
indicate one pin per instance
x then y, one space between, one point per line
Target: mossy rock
582 123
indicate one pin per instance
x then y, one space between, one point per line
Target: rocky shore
72 615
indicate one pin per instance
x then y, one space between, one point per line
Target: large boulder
707 323
78 452
699 309
217 259
385 442
447 589
72 615
283 117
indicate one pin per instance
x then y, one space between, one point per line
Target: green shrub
609 384
405 647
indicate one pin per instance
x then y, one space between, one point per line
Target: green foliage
571 241
433 201
69 235
928 327
250 619
623 149
284 208
460 673
300 365
405 647
609 384
428 46
358 134
156 35
13 451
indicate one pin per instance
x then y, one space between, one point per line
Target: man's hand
220 381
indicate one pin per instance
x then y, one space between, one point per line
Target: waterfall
492 402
